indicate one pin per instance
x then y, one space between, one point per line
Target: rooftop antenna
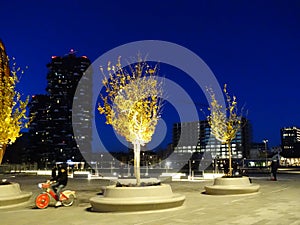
72 52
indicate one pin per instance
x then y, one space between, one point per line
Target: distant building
186 136
40 141
16 153
258 150
51 130
191 137
290 144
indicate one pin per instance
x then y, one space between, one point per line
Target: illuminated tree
12 109
132 104
224 123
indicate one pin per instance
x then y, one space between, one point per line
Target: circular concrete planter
231 186
11 195
126 199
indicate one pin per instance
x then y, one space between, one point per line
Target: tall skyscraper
39 149
53 113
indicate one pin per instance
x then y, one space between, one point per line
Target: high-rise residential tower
53 112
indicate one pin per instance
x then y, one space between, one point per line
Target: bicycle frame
51 192
66 197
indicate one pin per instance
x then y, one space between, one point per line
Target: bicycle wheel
42 201
69 200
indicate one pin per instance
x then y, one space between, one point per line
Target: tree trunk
230 158
137 172
2 151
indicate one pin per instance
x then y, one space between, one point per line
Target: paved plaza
277 202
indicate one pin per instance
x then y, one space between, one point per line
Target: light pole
101 161
167 166
266 149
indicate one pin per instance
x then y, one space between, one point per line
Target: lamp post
266 149
101 161
167 166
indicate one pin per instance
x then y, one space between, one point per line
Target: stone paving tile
276 203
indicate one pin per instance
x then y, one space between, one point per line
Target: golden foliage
224 123
132 103
12 109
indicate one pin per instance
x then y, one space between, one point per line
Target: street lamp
266 149
167 166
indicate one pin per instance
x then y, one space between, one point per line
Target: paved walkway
278 202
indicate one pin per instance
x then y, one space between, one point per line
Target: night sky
253 46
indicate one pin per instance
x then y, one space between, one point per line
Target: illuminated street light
266 150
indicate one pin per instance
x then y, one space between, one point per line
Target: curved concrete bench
231 186
126 199
11 195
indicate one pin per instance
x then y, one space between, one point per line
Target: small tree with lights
132 104
224 123
12 109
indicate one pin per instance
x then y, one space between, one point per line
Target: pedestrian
53 171
225 167
61 181
235 168
274 168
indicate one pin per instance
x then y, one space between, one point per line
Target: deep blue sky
253 46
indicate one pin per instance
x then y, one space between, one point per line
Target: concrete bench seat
11 195
125 199
231 186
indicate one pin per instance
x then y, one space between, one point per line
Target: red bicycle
42 201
